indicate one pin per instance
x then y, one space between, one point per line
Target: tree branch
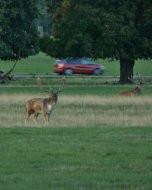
3 76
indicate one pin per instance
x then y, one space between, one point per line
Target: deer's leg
48 118
35 117
45 117
27 117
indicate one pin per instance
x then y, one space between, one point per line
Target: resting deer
44 106
136 91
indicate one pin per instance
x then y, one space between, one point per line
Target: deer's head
52 94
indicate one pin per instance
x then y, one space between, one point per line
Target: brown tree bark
126 70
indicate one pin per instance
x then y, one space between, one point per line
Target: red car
71 66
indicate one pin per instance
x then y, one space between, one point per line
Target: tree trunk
126 70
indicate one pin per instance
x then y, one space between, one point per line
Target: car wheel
97 72
68 72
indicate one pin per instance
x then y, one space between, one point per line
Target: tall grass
81 111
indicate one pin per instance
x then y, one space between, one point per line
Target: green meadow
76 158
96 140
42 64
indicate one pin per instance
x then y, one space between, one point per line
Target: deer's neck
138 91
49 104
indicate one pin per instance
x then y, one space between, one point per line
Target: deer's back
127 93
35 105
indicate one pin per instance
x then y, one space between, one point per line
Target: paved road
59 76
72 76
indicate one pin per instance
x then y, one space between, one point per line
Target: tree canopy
87 28
101 29
18 33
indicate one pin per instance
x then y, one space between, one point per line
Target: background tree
18 33
102 29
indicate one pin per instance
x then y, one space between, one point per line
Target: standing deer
45 106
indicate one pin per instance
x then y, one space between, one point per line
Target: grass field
76 158
92 142
82 111
95 140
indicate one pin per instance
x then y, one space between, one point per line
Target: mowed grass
38 64
43 64
76 158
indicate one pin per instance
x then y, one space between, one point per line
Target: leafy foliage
18 33
102 29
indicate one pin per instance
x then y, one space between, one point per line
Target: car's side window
84 62
74 61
